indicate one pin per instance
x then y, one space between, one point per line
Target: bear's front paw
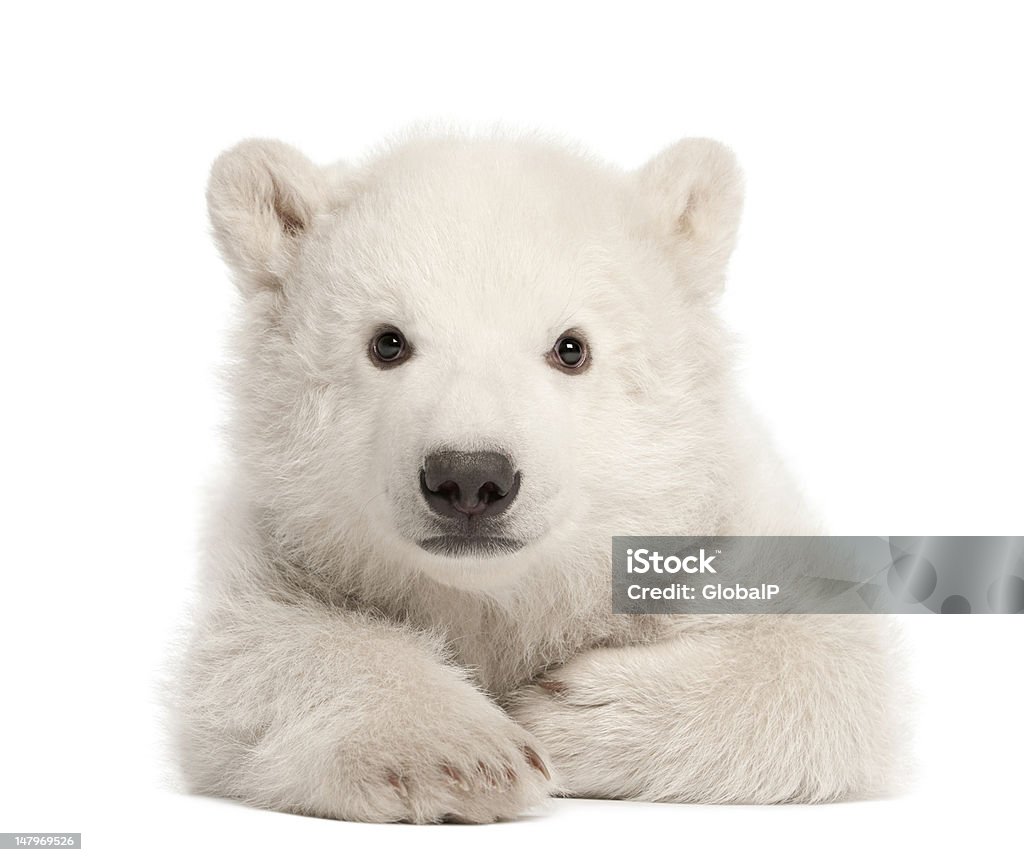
461 772
586 713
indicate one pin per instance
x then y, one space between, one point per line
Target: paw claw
549 684
534 760
487 774
456 776
395 780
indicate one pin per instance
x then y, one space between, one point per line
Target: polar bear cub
463 365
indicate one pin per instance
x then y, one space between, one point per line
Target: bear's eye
389 348
570 353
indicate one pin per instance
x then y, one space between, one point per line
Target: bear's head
474 357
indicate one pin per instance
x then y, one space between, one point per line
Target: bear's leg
753 709
304 708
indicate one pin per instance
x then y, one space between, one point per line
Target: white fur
338 669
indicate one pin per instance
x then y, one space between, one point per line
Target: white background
877 289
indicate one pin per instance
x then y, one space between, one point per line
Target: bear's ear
695 191
262 197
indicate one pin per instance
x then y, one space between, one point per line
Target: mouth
471 546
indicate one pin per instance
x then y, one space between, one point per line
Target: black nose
468 484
